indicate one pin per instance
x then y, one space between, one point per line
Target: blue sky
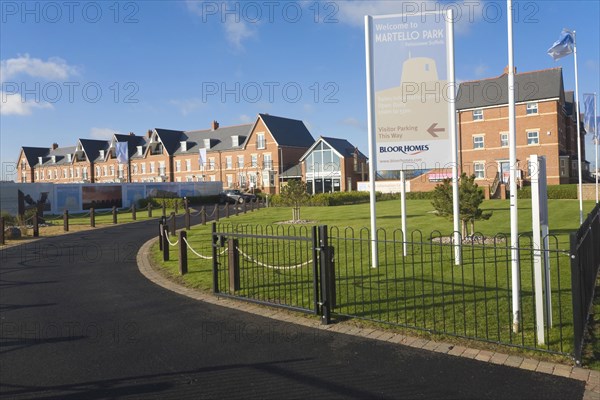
89 69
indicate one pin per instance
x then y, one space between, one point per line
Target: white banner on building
410 81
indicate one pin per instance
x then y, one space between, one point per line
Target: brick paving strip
592 378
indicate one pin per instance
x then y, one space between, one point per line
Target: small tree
294 194
470 199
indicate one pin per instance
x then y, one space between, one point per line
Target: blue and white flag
563 46
589 113
122 153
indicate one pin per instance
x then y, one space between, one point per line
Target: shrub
9 220
554 192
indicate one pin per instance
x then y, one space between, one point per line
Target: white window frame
261 143
478 115
479 172
240 162
254 160
533 140
502 141
188 165
532 108
228 162
476 143
177 165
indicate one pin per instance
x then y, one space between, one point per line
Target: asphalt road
78 321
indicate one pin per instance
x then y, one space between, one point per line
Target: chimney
506 70
215 125
131 134
149 133
54 146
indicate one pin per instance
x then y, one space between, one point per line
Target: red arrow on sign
432 129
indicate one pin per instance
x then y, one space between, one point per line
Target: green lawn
423 290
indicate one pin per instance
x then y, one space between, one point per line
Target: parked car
236 196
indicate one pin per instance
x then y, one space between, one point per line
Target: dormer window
40 161
139 150
235 141
69 157
102 154
183 145
207 143
53 159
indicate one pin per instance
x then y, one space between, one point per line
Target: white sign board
410 81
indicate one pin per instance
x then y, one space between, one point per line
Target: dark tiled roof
288 132
342 146
60 154
33 153
221 138
569 98
92 148
170 139
529 86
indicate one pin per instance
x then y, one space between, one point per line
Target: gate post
325 260
183 264
215 257
315 255
577 296
92 217
233 257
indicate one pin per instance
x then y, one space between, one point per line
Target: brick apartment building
261 155
545 125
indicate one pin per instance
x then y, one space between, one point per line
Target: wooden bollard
133 212
165 242
66 221
164 210
2 240
36 225
227 210
149 210
173 226
176 206
203 216
216 212
183 267
114 214
160 233
92 218
188 218
244 207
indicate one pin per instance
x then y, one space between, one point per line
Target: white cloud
188 106
103 133
236 29
246 119
355 123
237 32
481 70
53 68
14 104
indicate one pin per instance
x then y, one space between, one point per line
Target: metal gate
272 265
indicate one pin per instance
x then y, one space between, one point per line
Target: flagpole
580 161
596 137
514 219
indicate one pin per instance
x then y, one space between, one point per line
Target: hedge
556 192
